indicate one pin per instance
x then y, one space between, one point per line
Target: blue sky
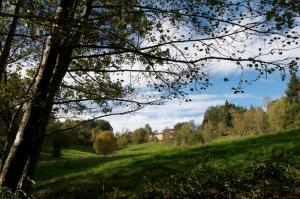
175 111
160 117
272 86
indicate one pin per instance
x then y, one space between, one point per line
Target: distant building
158 136
166 132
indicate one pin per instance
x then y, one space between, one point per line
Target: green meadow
80 173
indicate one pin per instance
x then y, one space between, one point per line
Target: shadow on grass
129 172
137 149
61 168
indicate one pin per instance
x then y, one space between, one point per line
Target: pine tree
293 90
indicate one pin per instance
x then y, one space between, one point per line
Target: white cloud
230 96
167 115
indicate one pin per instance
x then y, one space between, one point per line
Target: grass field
80 173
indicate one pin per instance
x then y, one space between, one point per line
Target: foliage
58 141
209 132
123 139
83 133
293 90
195 138
6 193
271 178
186 134
98 125
149 130
284 114
104 143
220 114
182 135
139 136
229 119
254 120
167 136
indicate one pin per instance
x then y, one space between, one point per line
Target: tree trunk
9 40
11 135
31 128
63 61
7 115
24 152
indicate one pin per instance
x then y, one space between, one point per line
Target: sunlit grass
81 171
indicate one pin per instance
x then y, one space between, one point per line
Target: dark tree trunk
11 135
21 161
63 61
24 153
9 40
7 115
32 126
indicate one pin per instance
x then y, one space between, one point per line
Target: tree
123 140
149 131
178 126
167 136
104 143
283 114
182 135
139 136
221 113
81 50
58 141
98 126
293 90
222 118
209 132
255 121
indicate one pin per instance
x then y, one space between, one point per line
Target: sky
162 116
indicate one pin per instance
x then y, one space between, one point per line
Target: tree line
219 121
231 120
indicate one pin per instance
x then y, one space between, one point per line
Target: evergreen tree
227 115
292 92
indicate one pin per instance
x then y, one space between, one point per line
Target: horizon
166 116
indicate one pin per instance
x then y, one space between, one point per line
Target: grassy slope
81 173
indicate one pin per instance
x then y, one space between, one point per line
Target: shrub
6 193
271 178
262 180
104 143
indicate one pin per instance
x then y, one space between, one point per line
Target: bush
6 193
104 143
271 178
